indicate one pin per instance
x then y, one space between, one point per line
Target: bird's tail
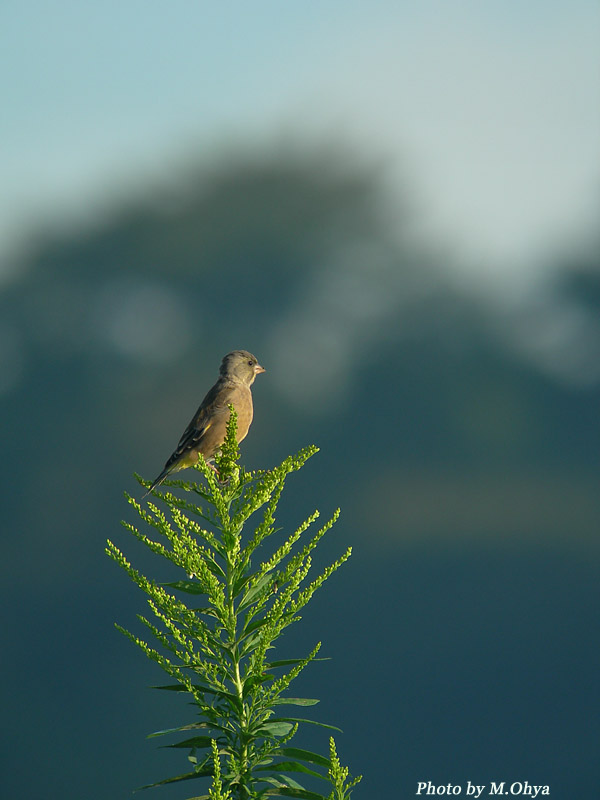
157 482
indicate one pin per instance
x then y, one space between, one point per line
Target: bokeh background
395 206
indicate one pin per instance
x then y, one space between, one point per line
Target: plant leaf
241 582
190 587
309 721
251 627
214 568
188 776
275 728
286 662
196 741
305 755
294 701
178 687
250 643
286 791
254 592
291 766
191 727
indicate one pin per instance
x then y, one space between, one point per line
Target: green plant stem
238 693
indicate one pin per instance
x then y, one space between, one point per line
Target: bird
206 432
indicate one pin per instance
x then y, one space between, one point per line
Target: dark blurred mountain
461 439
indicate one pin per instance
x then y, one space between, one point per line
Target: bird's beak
258 369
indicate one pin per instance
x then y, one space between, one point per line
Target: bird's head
242 366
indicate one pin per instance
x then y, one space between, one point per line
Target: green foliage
216 791
338 775
216 649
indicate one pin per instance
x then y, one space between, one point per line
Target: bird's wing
212 407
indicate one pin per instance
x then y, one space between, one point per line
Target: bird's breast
242 402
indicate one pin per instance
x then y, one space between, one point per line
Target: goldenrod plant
213 630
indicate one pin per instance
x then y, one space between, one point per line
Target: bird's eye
251 363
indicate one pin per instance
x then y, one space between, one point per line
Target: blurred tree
439 418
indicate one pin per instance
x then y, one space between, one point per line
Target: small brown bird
206 432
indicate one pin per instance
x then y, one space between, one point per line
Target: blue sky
490 110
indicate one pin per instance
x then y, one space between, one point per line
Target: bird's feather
237 374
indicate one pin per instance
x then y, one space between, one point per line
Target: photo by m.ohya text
470 789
